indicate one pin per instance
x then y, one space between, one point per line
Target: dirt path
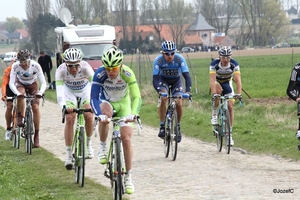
199 172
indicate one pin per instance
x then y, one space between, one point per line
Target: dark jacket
45 62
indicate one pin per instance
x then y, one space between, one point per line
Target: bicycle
14 136
171 123
115 168
223 127
79 142
27 131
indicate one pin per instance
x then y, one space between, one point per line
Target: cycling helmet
225 51
23 54
168 46
72 55
112 57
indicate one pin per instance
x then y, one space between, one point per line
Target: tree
12 24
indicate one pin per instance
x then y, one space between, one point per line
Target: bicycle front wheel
167 136
219 132
29 132
81 167
174 134
226 129
14 129
117 186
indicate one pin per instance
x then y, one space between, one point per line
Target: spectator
46 64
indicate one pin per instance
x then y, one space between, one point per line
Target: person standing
6 92
46 63
167 70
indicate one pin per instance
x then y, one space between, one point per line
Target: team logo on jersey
127 73
156 67
182 64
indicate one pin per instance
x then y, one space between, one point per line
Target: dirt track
200 172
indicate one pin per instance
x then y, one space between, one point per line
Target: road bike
27 131
115 168
223 128
171 123
79 143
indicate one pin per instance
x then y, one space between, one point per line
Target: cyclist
115 87
6 92
23 78
222 70
167 70
73 79
293 91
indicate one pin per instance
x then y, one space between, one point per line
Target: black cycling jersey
293 88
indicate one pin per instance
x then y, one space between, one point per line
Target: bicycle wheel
29 132
226 129
76 155
117 186
81 156
14 130
174 134
219 132
167 136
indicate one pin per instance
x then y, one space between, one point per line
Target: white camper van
92 40
9 56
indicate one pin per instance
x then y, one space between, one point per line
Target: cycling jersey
27 77
68 84
293 88
119 90
170 73
224 74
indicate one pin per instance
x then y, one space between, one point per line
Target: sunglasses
225 57
23 62
73 65
112 69
169 54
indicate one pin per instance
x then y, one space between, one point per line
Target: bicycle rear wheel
167 136
29 132
174 134
227 132
117 186
81 156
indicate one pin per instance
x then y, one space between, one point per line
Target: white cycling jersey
27 77
68 84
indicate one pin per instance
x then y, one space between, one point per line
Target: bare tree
121 13
100 11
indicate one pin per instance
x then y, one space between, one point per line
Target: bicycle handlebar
76 110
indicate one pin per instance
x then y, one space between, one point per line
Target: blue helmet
168 46
225 51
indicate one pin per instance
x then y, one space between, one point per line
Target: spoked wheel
81 157
219 138
117 185
16 137
227 131
29 132
174 134
167 137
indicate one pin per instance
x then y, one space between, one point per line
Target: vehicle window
92 51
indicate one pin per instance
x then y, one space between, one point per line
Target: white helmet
72 55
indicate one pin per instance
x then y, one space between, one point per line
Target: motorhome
92 40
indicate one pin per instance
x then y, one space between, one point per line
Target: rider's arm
42 79
156 73
238 81
188 81
12 80
96 91
59 82
5 80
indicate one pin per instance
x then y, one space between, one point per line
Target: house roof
23 32
165 33
200 24
14 35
